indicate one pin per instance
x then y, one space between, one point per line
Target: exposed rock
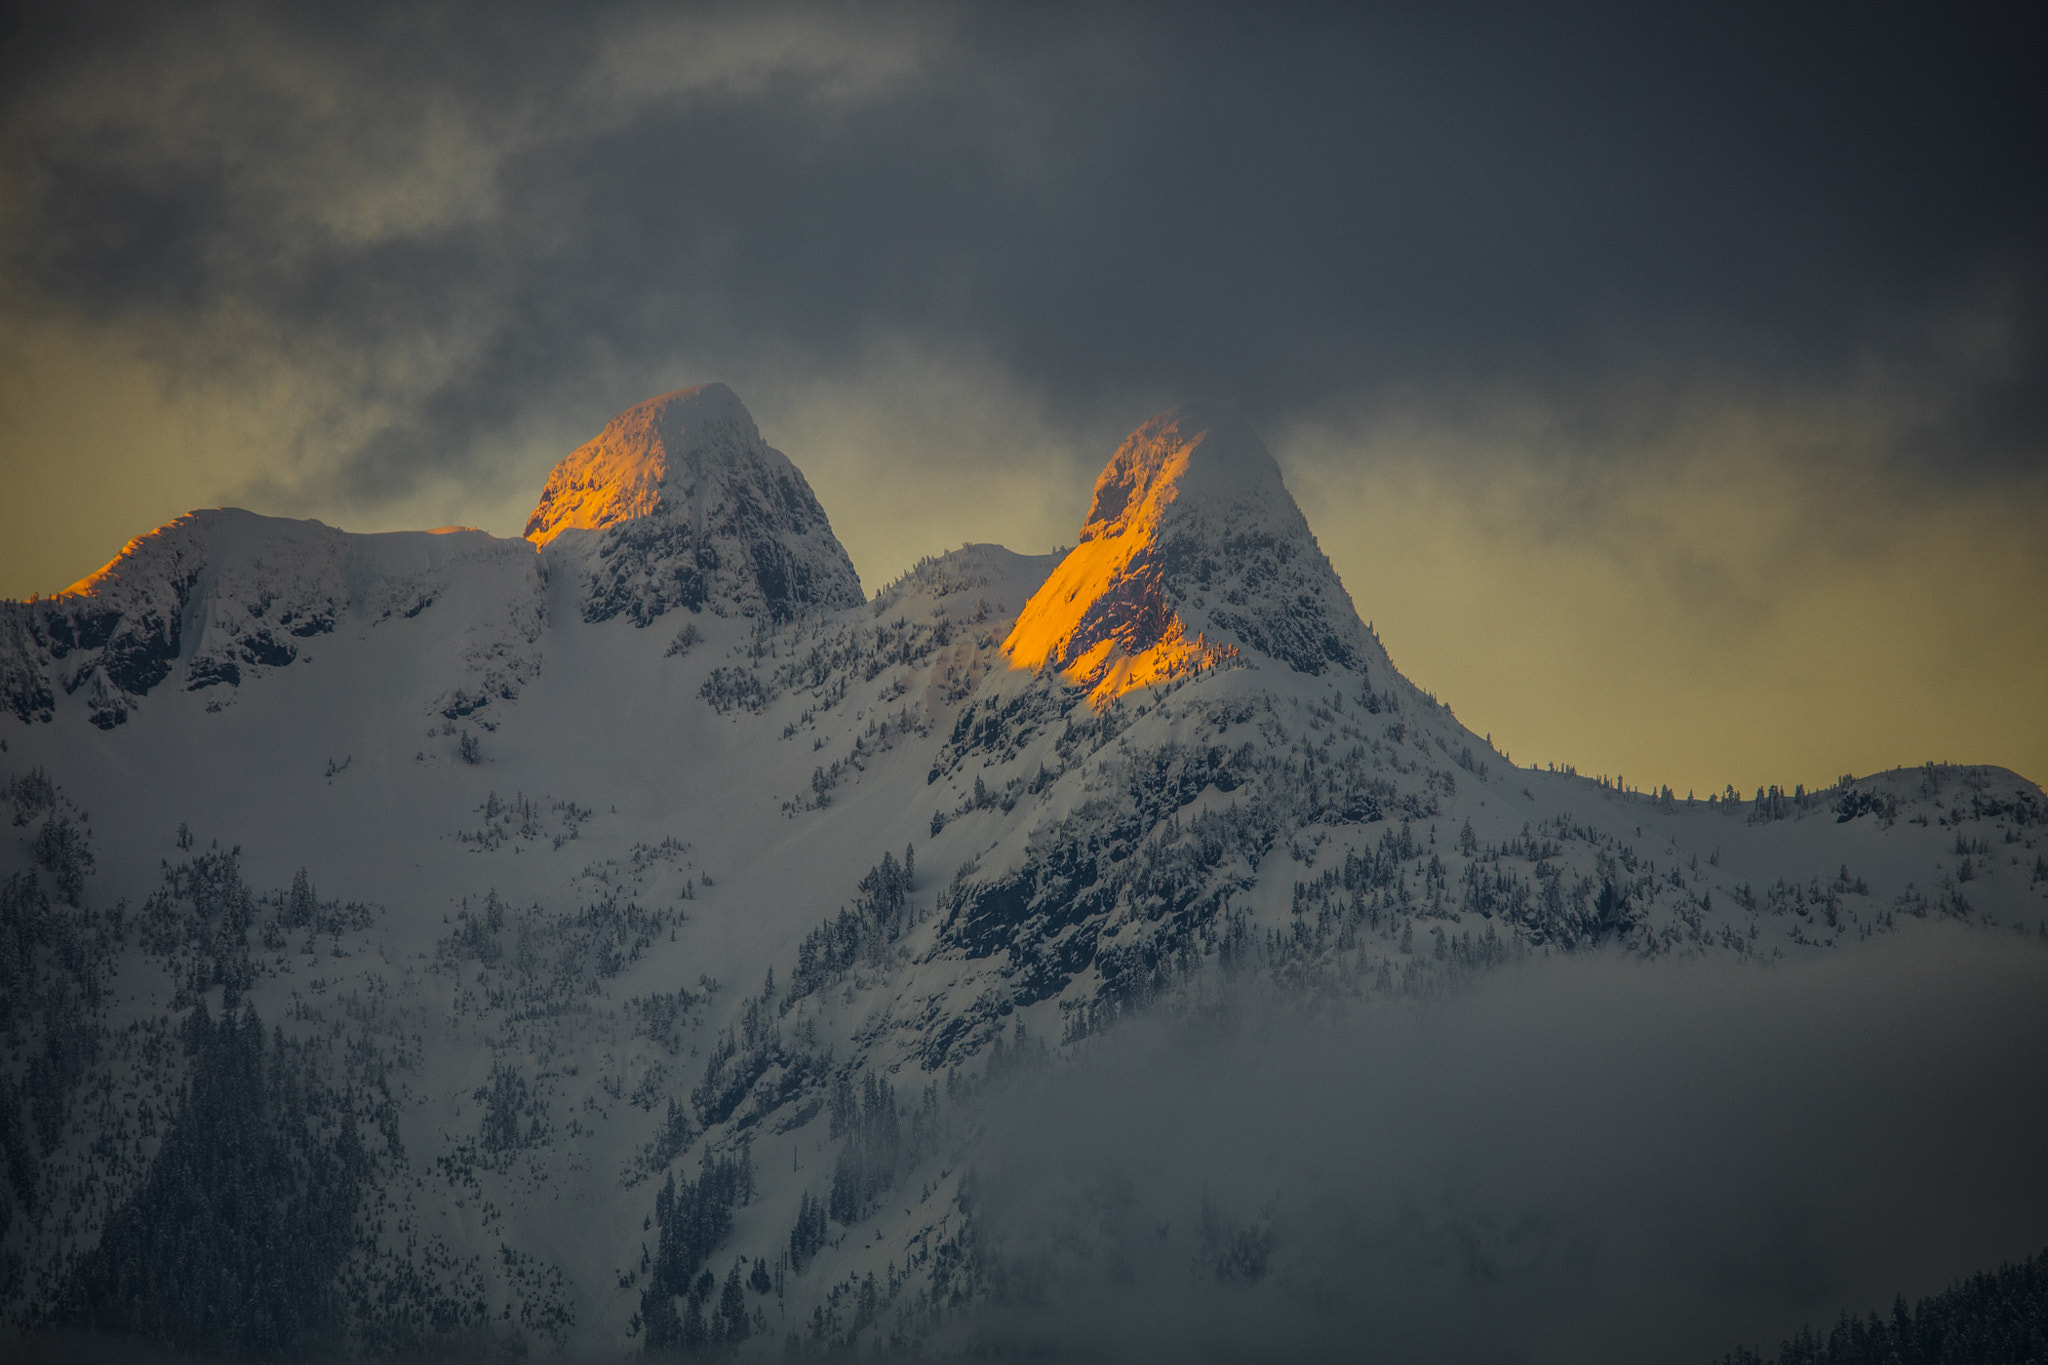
1193 551
679 503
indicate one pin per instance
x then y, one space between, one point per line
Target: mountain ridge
630 954
677 504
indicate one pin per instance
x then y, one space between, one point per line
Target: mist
1583 1160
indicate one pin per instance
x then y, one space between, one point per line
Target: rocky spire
678 502
1193 553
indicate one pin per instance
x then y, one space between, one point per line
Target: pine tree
734 1324
234 1241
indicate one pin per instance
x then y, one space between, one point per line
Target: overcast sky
1666 385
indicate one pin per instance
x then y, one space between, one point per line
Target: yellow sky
1710 614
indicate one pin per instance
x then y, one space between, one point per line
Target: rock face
679 503
116 634
1193 553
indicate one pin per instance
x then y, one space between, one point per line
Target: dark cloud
1302 214
1587 1161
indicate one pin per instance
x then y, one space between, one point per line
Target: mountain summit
679 502
624 471
1193 552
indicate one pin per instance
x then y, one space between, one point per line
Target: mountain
223 597
1192 550
678 502
405 913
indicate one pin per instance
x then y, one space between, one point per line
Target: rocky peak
652 454
1195 460
1193 554
679 502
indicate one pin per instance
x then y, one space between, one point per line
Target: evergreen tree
2000 1318
233 1242
734 1325
692 1219
808 1236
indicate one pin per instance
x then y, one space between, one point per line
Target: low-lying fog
1585 1160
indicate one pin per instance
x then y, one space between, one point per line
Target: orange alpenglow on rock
620 474
679 504
1191 507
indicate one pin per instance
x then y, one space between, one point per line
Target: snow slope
588 908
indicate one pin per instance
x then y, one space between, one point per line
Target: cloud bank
1583 1161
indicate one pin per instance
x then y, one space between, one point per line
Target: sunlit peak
1105 619
650 453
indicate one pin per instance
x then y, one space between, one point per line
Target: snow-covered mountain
634 903
679 503
1192 551
223 598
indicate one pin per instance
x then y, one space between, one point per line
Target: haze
1579 1161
